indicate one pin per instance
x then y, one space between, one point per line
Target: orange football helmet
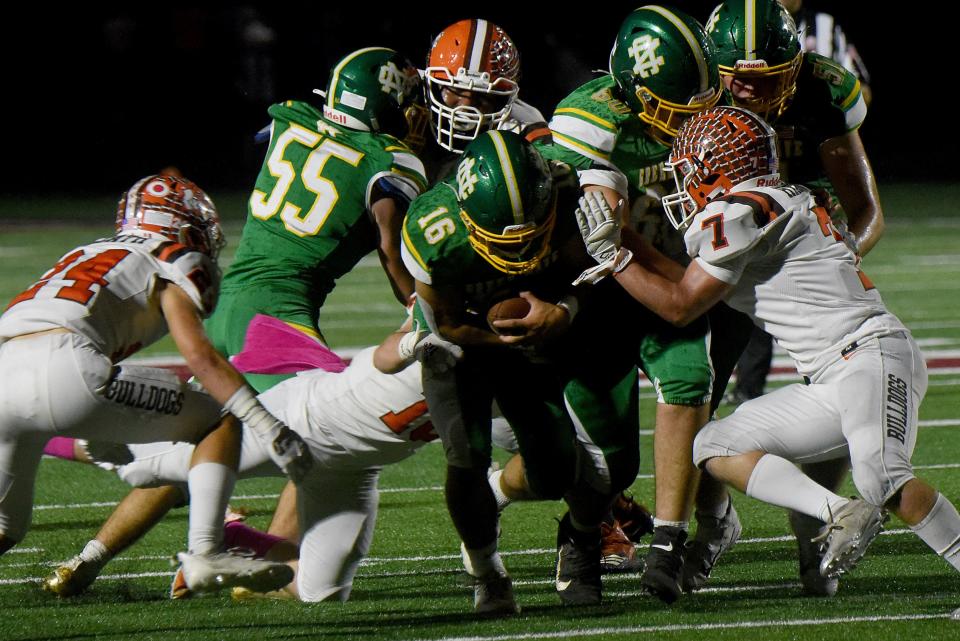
173 208
716 150
471 81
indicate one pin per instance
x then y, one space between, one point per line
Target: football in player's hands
507 309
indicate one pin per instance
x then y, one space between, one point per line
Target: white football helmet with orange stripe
173 208
471 81
716 150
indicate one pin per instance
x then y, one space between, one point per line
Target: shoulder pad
193 271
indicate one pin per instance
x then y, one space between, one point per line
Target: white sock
211 485
777 481
683 525
483 561
940 529
502 499
95 552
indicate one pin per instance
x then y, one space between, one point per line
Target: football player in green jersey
493 230
334 186
816 107
662 70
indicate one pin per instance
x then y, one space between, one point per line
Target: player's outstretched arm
227 385
408 344
679 303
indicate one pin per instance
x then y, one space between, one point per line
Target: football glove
600 228
428 348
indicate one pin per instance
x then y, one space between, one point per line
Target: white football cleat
213 572
846 537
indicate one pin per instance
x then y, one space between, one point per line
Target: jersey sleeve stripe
411 250
413 261
170 252
765 207
854 108
586 115
418 181
402 183
537 133
580 148
854 94
409 165
597 138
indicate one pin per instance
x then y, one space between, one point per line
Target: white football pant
865 403
60 385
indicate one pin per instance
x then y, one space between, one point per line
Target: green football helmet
507 201
369 90
665 67
757 45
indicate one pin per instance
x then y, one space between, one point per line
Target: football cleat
634 518
617 552
578 565
493 596
713 538
810 555
213 572
664 562
178 587
245 594
72 578
846 537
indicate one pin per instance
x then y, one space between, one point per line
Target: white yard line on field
684 627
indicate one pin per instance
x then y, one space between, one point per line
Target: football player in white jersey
62 343
771 252
354 419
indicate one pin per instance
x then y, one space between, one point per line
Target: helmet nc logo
466 179
644 51
391 79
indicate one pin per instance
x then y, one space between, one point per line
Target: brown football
508 308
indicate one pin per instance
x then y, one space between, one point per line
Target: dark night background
96 98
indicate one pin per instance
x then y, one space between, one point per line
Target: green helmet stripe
332 93
750 29
691 41
509 177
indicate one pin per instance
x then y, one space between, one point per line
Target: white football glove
431 350
600 227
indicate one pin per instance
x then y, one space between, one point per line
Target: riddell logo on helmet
745 65
330 114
